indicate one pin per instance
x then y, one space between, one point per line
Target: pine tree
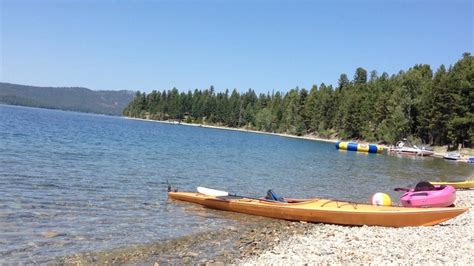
461 88
435 109
360 76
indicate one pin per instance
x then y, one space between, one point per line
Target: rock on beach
449 242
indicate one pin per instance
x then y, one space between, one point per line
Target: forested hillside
70 99
434 108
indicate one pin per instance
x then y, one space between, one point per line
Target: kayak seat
273 196
424 186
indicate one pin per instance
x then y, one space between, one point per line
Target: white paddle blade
212 192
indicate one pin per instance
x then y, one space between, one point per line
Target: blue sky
264 45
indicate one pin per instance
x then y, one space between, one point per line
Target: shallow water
72 182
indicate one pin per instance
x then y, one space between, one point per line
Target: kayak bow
468 184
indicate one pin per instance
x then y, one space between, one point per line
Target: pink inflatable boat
427 195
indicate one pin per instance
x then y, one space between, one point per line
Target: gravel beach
282 242
449 242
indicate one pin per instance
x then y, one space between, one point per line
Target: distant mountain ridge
66 98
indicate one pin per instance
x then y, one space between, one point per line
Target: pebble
49 234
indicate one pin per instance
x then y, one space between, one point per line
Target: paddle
220 193
212 192
401 189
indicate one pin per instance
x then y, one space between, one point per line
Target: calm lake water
72 182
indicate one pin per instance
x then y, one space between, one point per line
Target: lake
73 182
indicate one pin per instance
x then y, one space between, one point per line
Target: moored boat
467 184
323 210
458 158
403 147
426 195
453 156
468 160
411 151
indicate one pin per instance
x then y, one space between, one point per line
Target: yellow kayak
468 184
324 210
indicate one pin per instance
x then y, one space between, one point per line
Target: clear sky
264 45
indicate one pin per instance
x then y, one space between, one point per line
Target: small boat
322 210
427 195
405 149
470 159
412 151
453 156
468 184
458 158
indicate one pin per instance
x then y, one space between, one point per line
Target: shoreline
285 242
226 246
305 137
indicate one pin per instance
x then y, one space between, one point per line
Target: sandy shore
450 242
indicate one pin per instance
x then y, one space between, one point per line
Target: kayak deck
325 211
468 184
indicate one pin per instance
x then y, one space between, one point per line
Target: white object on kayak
212 192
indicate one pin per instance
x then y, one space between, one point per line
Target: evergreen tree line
436 109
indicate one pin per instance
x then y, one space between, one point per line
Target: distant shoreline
76 99
305 137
